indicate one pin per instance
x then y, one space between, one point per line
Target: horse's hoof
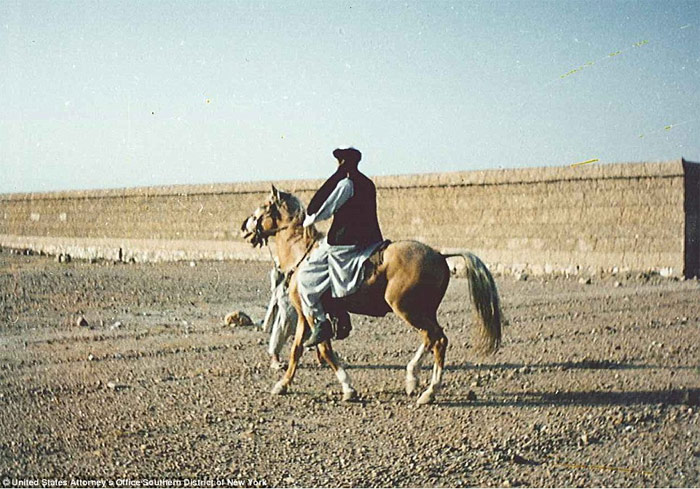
411 386
426 398
279 389
350 395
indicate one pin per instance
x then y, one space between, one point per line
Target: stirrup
341 325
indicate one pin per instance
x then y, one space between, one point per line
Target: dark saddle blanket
375 260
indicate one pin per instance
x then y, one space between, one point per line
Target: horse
410 281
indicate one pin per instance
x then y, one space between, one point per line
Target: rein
274 231
290 272
261 238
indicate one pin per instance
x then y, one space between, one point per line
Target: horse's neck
292 245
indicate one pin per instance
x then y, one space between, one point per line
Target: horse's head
280 211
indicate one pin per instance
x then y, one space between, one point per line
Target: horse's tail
486 305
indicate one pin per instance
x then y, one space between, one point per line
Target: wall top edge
592 171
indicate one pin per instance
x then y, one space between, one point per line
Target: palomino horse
410 281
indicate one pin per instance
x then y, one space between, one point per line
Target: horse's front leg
326 351
294 356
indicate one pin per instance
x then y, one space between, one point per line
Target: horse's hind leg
434 338
412 370
326 351
439 341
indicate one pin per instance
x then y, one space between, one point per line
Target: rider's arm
340 195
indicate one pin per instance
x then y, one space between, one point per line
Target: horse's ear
275 194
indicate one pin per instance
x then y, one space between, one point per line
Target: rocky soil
596 385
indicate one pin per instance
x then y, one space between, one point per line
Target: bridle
259 236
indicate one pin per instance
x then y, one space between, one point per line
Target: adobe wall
578 219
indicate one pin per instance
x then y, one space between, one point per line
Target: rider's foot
321 332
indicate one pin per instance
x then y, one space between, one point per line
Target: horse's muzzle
248 229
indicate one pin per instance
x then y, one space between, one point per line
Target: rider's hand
309 220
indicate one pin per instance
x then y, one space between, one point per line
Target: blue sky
124 94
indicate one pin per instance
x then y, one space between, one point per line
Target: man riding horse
409 278
336 265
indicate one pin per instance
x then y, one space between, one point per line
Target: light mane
296 210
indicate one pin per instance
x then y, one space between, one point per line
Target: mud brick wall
641 216
580 219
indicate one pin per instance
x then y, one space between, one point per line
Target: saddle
337 308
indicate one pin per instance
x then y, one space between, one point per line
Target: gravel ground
596 385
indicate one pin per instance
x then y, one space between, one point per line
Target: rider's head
347 156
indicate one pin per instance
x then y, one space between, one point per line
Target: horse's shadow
565 398
582 364
582 398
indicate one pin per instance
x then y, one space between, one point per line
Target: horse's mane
294 205
297 211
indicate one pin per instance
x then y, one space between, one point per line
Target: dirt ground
595 385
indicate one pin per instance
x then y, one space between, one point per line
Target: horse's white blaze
250 224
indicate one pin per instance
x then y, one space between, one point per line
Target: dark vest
355 223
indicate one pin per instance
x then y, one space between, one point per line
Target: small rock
82 322
91 357
112 385
116 325
617 284
248 435
237 318
584 439
584 280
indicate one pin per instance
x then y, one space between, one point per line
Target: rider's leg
312 281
